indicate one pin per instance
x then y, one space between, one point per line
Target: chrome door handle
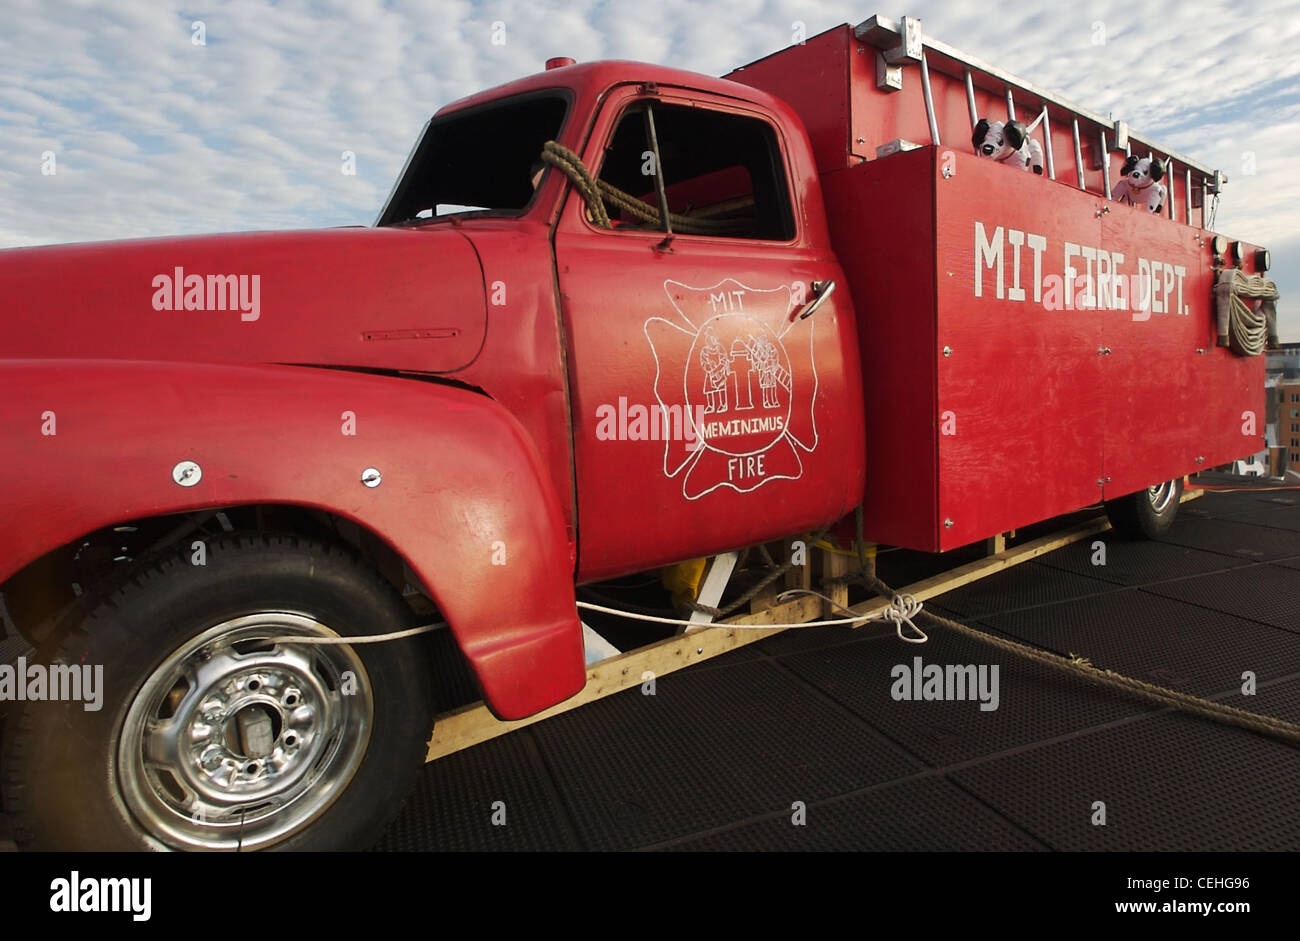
821 291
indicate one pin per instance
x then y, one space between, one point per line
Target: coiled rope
596 193
1242 328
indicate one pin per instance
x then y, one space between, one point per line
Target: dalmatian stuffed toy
1008 143
1139 184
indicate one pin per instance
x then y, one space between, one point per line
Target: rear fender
462 497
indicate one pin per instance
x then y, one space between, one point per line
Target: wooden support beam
871 559
834 565
798 576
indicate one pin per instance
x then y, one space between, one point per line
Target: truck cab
687 373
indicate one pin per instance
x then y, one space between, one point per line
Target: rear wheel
1147 514
214 729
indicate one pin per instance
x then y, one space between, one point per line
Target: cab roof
590 80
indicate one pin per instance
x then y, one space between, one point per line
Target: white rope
901 609
358 639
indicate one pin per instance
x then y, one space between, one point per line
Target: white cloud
155 135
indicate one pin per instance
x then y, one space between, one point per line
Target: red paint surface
455 483
634 317
1039 418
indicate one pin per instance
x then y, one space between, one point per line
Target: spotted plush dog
1139 184
1008 143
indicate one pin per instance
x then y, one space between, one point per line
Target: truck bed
997 391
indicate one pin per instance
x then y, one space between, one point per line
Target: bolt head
187 473
371 477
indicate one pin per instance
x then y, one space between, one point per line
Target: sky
149 131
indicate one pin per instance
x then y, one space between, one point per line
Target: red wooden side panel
1153 370
1174 401
1020 396
813 79
1049 385
881 216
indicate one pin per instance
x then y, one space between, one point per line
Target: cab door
706 413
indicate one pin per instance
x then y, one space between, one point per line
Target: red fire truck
612 316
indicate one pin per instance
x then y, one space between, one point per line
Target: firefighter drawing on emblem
717 364
767 362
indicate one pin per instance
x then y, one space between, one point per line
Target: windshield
483 159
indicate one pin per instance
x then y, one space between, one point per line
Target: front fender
464 498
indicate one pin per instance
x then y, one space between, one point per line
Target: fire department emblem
743 377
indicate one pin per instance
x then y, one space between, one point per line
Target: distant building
1282 417
1284 362
1286 399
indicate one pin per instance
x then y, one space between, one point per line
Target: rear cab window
723 174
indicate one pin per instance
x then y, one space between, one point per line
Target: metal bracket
1121 137
899 43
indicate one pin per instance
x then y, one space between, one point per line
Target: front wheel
212 728
1147 514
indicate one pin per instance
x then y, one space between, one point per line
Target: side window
723 174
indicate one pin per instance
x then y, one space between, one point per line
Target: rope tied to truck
1246 307
1083 667
902 608
596 193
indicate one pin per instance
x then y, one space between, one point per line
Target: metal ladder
900 42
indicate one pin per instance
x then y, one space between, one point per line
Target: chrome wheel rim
1161 495
235 743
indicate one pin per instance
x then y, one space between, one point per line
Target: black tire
1147 514
341 756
